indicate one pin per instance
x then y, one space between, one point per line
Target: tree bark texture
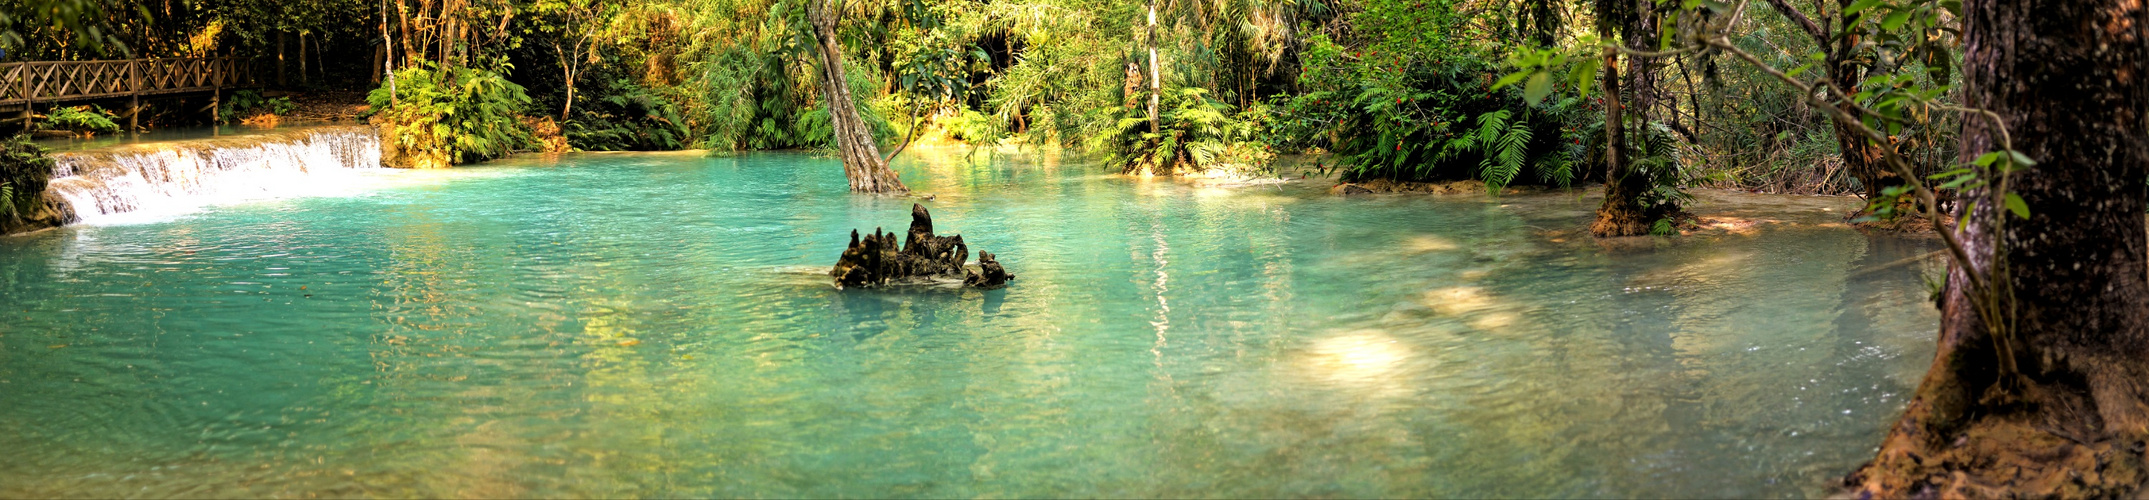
2068 77
1622 213
402 14
874 260
862 162
1864 159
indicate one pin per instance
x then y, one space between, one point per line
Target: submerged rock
875 259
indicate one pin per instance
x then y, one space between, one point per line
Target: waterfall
158 180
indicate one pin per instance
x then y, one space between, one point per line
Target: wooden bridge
24 84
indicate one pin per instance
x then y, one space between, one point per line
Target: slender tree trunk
302 79
1615 140
2069 78
1156 81
447 35
862 163
387 62
320 58
402 14
568 66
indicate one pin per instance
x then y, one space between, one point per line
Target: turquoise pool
662 325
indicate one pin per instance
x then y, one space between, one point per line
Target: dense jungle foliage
24 169
1414 90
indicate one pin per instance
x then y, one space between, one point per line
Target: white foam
156 182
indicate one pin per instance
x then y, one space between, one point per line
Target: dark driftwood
875 260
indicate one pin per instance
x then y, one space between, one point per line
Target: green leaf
1860 6
2021 160
1540 84
1584 74
1964 222
1986 159
1895 20
2015 204
1511 78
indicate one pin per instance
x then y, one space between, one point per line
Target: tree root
875 260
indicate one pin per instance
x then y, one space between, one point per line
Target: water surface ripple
661 325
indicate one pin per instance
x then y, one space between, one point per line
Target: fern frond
1489 127
1505 156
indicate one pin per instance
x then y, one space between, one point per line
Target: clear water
660 325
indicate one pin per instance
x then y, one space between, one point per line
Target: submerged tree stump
875 259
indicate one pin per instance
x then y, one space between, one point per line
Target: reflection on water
660 325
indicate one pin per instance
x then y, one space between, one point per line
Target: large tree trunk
1622 213
2068 76
1864 159
862 162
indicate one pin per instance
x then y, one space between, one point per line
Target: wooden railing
55 82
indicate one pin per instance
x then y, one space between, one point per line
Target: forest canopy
1398 89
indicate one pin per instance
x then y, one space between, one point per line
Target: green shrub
628 117
1431 115
441 117
24 169
246 103
1194 134
85 120
974 128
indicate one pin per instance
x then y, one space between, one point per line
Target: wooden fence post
216 98
134 104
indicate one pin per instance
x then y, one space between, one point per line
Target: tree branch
1820 36
1978 284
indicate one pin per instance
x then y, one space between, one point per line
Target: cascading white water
150 181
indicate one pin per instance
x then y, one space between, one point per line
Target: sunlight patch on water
1364 359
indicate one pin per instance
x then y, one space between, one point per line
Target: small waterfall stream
162 179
